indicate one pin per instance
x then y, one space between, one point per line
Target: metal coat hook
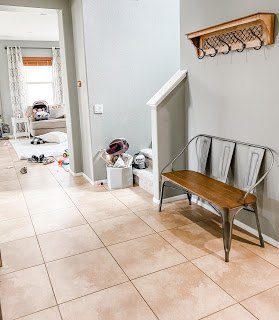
243 44
256 36
216 51
203 53
229 47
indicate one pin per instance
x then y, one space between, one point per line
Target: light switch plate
98 108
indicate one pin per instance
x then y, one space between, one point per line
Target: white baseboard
76 174
88 179
100 182
238 223
209 208
171 199
82 174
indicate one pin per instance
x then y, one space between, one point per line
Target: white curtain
17 81
57 77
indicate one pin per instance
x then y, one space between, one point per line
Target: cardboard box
119 178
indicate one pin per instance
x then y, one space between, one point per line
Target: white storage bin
119 178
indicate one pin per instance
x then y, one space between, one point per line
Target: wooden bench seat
218 193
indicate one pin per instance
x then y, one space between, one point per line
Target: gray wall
68 68
235 96
132 49
4 77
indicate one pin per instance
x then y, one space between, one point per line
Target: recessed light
43 14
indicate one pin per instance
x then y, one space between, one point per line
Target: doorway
65 43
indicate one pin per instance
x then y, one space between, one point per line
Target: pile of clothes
115 155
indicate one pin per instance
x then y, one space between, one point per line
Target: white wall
132 49
235 96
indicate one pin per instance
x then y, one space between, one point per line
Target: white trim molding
241 225
76 174
206 206
167 88
100 182
171 199
82 174
154 103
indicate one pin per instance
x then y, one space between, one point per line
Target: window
39 79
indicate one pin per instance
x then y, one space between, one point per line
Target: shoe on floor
33 159
48 160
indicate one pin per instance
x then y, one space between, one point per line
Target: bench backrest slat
254 161
202 148
225 160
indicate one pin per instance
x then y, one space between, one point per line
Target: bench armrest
180 153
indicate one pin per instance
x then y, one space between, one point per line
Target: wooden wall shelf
252 31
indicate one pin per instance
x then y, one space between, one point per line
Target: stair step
144 178
147 152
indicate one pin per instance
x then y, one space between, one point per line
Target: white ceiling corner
29 25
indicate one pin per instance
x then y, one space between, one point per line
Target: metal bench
225 199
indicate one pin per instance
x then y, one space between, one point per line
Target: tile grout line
277 267
226 309
40 251
249 311
254 295
113 259
175 265
30 314
140 237
190 261
183 262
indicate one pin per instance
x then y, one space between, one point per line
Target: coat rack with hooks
253 31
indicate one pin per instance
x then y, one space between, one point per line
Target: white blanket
25 150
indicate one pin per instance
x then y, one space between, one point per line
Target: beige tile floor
72 251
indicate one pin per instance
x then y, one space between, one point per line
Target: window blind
37 61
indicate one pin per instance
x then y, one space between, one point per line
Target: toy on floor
37 140
23 170
139 161
63 162
66 153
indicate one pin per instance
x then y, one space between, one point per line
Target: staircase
144 177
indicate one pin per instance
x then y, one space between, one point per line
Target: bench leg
161 197
189 196
227 220
255 207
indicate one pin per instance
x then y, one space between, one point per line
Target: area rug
25 149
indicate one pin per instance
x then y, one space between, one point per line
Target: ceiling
32 25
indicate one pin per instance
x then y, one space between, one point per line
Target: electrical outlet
98 108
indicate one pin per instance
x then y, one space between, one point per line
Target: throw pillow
57 112
147 153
